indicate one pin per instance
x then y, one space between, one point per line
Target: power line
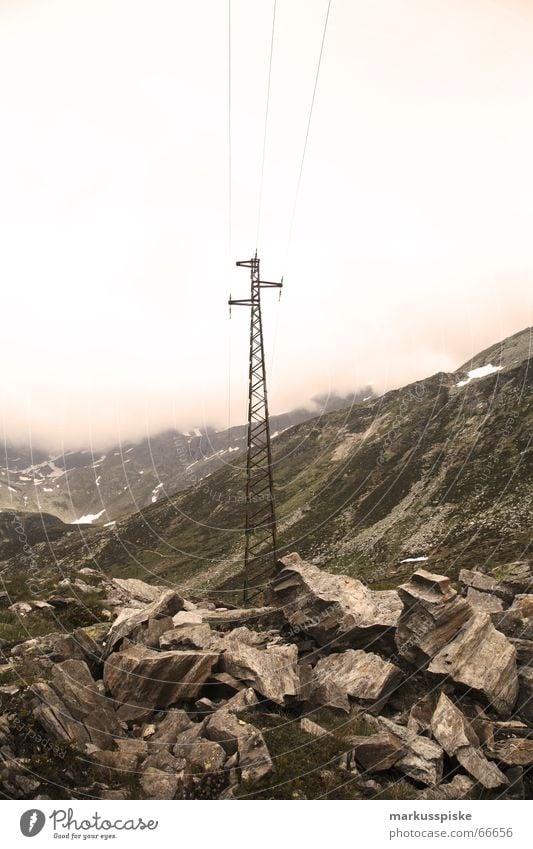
291 226
266 125
229 135
230 233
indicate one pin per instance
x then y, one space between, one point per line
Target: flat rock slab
355 674
190 636
132 589
516 577
254 616
151 679
484 583
486 602
332 608
483 659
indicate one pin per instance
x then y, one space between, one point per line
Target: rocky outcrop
481 658
454 733
332 608
353 674
432 615
150 679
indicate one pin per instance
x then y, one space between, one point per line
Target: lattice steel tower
260 531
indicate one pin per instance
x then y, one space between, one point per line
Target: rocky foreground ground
329 690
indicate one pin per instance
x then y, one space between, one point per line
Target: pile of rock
168 703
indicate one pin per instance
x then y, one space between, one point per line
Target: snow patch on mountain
476 373
88 519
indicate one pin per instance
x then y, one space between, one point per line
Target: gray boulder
272 670
150 679
458 788
71 707
241 738
432 615
423 758
332 608
353 674
458 739
377 752
482 583
483 602
130 619
481 658
132 589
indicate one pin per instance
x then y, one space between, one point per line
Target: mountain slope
440 469
100 487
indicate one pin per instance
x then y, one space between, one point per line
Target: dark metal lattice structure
260 530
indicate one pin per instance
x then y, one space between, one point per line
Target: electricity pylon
260 530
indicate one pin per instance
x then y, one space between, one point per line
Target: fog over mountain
410 249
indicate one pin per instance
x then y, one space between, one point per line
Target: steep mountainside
99 487
439 471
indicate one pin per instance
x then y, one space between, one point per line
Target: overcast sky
412 243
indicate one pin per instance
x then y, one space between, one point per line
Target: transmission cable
266 125
291 227
230 228
230 235
304 150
